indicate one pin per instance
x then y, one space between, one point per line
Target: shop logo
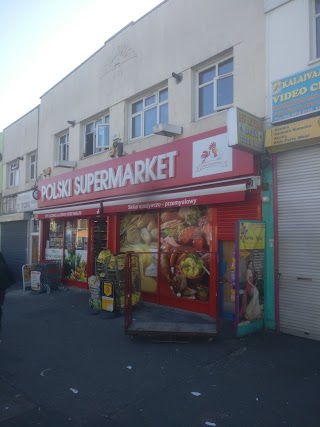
211 156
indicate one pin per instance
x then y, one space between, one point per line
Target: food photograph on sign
185 258
139 233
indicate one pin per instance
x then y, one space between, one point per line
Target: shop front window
54 244
76 250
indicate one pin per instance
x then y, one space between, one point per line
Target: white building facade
140 128
19 231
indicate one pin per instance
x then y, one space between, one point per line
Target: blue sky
41 41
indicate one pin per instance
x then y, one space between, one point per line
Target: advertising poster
139 233
185 257
183 234
250 262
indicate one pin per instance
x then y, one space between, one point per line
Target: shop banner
189 161
250 250
296 95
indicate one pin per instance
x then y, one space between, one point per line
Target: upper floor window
97 134
14 174
215 88
63 148
32 158
316 26
147 112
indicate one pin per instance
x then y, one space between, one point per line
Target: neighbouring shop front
295 150
19 231
297 203
175 205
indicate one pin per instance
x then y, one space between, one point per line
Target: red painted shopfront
176 205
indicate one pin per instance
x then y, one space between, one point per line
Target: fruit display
103 255
75 268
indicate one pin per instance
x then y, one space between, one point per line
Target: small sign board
300 133
26 275
107 296
245 131
35 280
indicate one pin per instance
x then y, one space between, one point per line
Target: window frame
103 122
214 82
315 44
62 145
14 175
145 108
32 165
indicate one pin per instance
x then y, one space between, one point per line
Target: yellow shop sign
293 135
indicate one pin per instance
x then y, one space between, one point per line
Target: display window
68 242
76 249
54 243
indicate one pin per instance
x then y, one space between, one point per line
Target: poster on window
139 233
185 257
250 251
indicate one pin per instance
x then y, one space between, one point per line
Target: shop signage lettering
296 95
300 133
141 171
161 205
245 131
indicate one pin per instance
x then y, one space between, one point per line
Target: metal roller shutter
298 186
229 213
14 245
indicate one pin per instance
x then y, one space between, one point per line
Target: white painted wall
20 140
288 35
177 36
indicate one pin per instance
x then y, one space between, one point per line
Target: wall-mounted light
47 172
20 158
177 76
265 199
117 147
72 122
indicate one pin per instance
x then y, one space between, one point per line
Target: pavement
61 365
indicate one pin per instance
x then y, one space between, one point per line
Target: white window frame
315 43
158 104
101 135
14 175
215 80
63 147
32 170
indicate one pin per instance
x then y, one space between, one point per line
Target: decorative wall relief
121 55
